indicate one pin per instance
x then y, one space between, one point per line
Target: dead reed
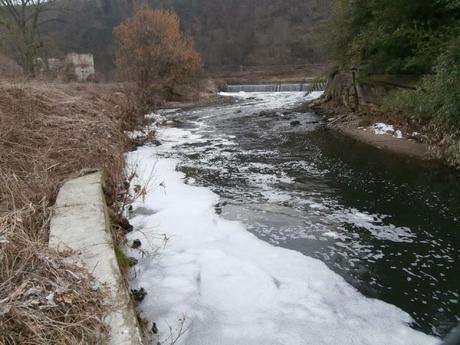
49 133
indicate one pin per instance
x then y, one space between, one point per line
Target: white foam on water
314 95
270 100
234 288
374 224
276 196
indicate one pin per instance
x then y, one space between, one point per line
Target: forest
390 36
227 33
416 42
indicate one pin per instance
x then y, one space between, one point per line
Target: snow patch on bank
382 128
234 288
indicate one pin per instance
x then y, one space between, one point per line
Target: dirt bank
355 108
408 137
401 146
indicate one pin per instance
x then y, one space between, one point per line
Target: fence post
355 88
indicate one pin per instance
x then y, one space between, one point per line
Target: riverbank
51 132
380 133
398 146
399 133
364 110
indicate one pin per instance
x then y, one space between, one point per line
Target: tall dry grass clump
49 133
44 300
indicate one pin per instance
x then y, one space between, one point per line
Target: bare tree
153 52
22 19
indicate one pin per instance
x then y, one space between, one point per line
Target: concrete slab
80 222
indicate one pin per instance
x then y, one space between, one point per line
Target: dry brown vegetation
49 133
153 53
9 68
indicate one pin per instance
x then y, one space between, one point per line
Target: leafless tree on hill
22 20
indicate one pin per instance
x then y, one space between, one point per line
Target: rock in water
154 328
138 295
136 244
132 262
125 225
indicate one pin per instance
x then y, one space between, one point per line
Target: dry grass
49 133
44 300
9 68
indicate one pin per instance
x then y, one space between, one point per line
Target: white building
82 65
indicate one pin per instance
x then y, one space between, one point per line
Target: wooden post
355 88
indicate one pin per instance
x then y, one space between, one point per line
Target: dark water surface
389 225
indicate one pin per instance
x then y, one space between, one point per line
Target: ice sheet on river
236 289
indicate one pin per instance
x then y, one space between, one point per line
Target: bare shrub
132 111
154 53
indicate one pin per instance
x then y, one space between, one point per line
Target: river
387 226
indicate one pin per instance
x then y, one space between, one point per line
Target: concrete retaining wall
80 222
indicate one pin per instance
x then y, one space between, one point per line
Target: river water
389 226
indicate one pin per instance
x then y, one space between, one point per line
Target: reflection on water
389 225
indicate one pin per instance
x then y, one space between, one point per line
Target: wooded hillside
227 33
415 44
392 36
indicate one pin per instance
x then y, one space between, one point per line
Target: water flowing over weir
291 235
268 88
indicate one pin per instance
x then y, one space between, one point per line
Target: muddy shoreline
349 124
405 147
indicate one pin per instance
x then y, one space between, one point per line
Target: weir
268 88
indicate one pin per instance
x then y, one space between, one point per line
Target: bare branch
22 21
52 20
